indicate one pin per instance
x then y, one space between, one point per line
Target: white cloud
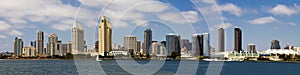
149 7
120 24
281 9
292 23
140 22
94 3
231 8
209 1
263 20
64 25
3 37
20 13
180 18
61 27
224 25
4 26
118 10
14 33
192 16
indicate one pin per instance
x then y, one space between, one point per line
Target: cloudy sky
260 21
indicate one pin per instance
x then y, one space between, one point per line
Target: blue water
111 67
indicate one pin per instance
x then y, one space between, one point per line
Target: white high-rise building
155 48
77 38
52 44
206 44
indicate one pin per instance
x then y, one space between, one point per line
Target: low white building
29 51
280 51
297 49
119 53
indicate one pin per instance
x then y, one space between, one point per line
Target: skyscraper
104 36
115 46
173 44
185 43
69 48
251 48
58 48
130 42
221 40
51 45
201 44
33 44
197 44
237 39
275 44
155 48
138 46
40 47
77 38
206 44
147 40
163 50
18 45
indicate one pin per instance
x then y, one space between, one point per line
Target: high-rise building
251 48
69 47
197 45
206 44
115 46
185 43
77 38
130 43
33 44
64 49
237 39
85 49
40 44
155 48
221 40
18 45
104 36
138 46
147 40
275 44
143 48
173 44
201 44
51 45
163 49
61 49
96 46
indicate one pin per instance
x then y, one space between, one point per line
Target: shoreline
161 60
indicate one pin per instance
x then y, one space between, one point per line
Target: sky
260 20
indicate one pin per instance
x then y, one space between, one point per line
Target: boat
253 59
215 60
275 58
97 58
222 60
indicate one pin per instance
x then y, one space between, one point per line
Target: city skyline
246 18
